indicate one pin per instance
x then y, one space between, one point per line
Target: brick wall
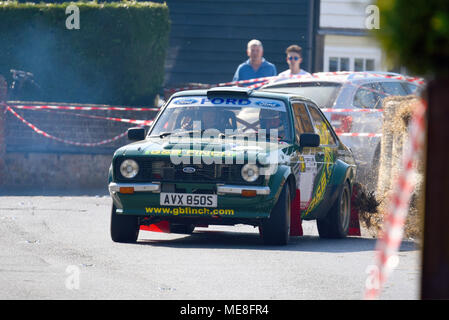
30 161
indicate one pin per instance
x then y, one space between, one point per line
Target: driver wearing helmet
271 120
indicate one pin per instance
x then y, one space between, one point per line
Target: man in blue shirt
256 66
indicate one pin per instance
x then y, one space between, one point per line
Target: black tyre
123 228
182 228
276 229
336 223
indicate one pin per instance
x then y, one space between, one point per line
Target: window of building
338 64
351 63
361 64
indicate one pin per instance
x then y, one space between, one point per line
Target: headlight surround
250 172
129 168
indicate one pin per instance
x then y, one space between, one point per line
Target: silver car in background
352 102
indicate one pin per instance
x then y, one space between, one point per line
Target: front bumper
136 187
155 187
143 199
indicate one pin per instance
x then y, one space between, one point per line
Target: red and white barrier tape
355 134
223 84
399 77
352 110
135 121
391 237
45 134
259 82
83 108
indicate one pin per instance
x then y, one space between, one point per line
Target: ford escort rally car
227 156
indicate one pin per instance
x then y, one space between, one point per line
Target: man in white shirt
294 59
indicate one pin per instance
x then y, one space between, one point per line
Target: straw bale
396 118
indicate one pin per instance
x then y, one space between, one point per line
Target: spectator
256 66
294 59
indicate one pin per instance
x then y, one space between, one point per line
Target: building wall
346 38
209 37
349 14
352 48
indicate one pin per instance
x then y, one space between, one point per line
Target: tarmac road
54 247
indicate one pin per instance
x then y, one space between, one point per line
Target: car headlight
250 172
129 168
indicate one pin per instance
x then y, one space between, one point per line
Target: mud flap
354 224
162 226
295 217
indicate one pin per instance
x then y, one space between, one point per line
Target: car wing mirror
311 140
136 133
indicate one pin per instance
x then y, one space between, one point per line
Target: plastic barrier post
354 223
162 226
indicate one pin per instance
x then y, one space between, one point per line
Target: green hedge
116 57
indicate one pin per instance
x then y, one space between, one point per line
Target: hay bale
386 146
395 134
400 122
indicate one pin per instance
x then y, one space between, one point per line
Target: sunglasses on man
293 58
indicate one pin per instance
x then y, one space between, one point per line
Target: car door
325 156
304 162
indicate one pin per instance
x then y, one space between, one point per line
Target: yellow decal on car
323 181
188 211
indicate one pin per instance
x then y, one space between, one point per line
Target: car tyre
182 228
276 229
124 229
336 224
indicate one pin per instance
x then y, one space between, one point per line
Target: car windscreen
223 115
322 93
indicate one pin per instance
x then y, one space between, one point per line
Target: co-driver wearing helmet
271 120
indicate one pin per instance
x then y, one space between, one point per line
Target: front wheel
123 228
336 223
276 229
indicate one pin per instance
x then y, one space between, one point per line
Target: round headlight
129 168
250 172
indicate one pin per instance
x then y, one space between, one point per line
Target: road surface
58 247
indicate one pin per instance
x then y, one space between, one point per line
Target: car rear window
393 88
322 93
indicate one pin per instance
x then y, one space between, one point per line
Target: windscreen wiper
163 134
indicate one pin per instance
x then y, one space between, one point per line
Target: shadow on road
239 240
52 192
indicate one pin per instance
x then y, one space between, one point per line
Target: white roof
342 76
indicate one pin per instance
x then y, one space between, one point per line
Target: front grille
156 169
203 172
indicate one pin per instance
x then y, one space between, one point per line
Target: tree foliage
415 34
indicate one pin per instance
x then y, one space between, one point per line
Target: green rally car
227 156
